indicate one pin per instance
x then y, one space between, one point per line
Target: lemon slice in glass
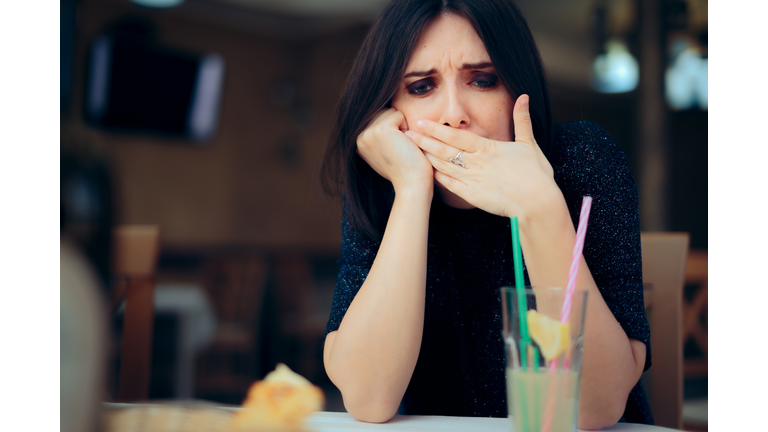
552 336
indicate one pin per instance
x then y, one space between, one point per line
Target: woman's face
450 80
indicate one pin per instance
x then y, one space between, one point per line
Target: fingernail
524 102
409 134
420 124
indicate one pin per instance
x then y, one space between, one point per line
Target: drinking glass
543 352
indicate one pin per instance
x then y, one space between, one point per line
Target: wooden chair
236 286
664 258
301 327
695 312
695 323
136 249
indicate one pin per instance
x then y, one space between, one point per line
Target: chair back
664 257
301 324
695 313
236 285
136 249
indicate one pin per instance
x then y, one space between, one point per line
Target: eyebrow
465 66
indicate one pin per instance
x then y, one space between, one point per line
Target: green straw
526 346
522 306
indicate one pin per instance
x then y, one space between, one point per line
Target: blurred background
208 119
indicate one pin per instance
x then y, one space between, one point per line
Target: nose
454 113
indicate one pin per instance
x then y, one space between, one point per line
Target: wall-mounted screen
134 87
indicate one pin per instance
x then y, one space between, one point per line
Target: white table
330 421
335 421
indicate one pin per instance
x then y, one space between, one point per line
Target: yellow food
281 402
552 336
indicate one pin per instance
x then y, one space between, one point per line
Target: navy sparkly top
460 369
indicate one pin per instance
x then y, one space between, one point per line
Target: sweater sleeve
588 162
357 255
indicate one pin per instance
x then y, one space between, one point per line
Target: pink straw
581 233
565 312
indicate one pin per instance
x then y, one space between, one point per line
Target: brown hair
377 74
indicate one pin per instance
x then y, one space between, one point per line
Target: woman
444 132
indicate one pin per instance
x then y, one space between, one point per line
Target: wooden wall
256 184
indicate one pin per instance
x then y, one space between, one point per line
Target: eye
420 87
484 80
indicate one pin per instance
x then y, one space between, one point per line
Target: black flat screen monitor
148 89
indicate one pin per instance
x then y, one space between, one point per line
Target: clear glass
542 394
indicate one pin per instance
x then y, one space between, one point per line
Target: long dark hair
378 72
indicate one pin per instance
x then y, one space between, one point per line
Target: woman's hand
503 178
384 146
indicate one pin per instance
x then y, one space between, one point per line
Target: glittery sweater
460 369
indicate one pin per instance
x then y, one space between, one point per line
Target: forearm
611 366
373 354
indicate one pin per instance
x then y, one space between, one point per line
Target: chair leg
136 352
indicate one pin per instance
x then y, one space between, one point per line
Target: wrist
547 211
547 241
415 194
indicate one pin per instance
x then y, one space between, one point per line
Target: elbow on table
606 410
366 402
369 410
607 416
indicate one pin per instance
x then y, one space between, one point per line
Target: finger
400 120
395 119
445 167
522 120
456 138
452 184
384 115
432 146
